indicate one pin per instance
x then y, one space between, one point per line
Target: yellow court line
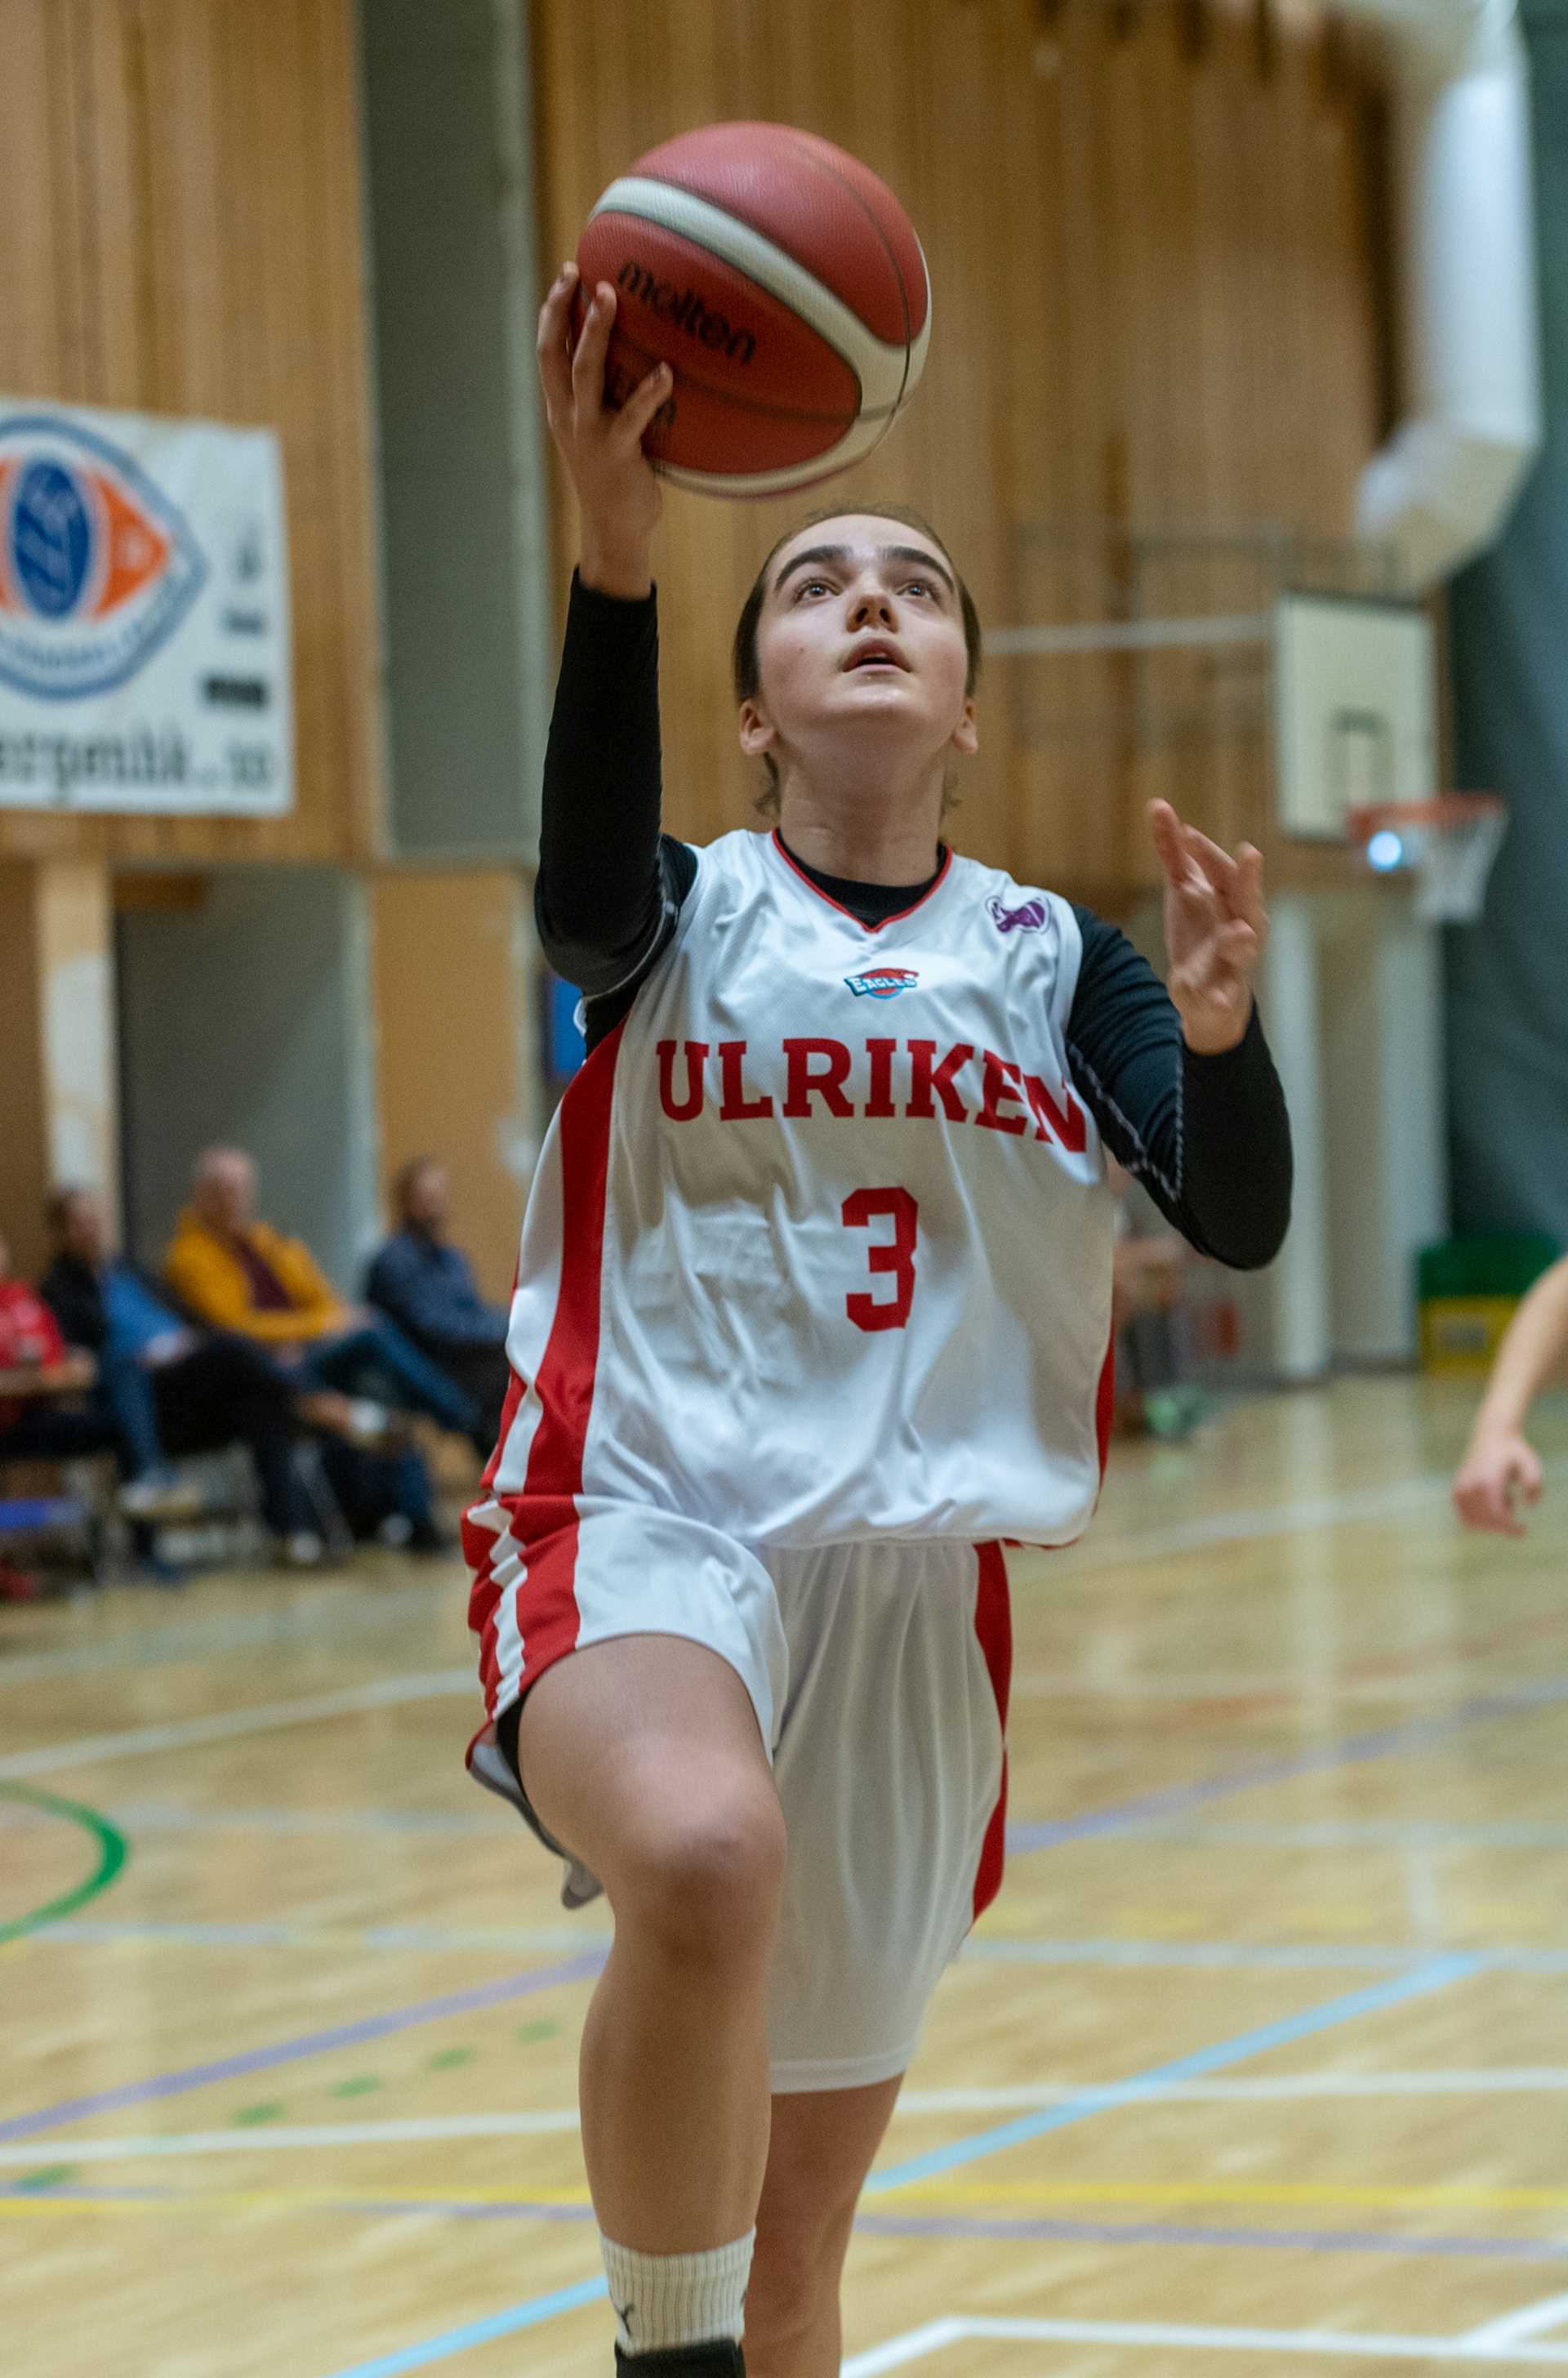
1391 2199
248 2200
1394 2199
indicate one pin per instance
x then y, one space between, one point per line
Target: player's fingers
554 342
1165 832
1248 892
1530 1475
587 361
642 405
1214 861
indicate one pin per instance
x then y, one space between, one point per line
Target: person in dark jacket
426 1285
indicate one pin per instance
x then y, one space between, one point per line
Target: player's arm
1179 1076
608 886
1499 1461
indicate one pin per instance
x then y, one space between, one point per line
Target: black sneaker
723 2360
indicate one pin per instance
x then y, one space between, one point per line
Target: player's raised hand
616 489
1496 1469
1215 927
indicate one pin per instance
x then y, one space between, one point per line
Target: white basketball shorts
879 1673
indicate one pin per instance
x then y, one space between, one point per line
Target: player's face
862 630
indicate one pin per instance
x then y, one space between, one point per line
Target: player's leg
642 1755
821 2148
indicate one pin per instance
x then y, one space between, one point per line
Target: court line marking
1513 2327
575 2199
1405 1832
1350 1751
1241 1956
480 2332
913 2105
920 2344
341 1612
289 2051
1437 1974
113 1851
998 1948
63 2200
230 1725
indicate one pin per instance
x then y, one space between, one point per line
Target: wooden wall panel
1148 228
182 234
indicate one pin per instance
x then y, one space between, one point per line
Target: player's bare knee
701 1885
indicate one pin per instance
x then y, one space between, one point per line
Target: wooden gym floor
1260 2061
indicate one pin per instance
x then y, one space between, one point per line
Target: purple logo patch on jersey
1025 919
883 983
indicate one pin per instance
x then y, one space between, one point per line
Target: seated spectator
426 1285
1149 1265
185 1389
240 1274
60 1405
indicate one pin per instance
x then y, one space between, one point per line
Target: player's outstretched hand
616 489
1496 1468
1215 927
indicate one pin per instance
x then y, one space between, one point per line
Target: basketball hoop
1449 843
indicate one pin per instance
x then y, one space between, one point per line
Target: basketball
784 284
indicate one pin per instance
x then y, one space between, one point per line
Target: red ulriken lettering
924 1079
1001 1078
696 1057
1052 1122
879 1105
737 1107
827 1083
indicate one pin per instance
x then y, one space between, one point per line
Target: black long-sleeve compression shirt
1207 1136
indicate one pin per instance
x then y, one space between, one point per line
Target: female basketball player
812 1312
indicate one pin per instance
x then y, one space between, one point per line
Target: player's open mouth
877 656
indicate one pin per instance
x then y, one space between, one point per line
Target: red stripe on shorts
1105 1402
993 1629
544 1515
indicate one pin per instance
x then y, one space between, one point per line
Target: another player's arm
607 887
1179 1075
1499 1461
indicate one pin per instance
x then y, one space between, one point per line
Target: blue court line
480 2332
1352 1750
1435 1976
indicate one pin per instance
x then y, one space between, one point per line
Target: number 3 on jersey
896 1255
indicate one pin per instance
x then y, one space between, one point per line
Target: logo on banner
97 565
883 983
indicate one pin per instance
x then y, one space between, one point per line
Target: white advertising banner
145 650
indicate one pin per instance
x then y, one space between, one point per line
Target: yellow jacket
204 1271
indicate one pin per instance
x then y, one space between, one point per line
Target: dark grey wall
1507 978
247 1021
464 518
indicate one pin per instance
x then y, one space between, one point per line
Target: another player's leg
642 1755
821 2148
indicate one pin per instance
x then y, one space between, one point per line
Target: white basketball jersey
819 1246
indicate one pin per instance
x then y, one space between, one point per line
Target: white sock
667 2299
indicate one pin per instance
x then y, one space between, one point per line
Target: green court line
113 1851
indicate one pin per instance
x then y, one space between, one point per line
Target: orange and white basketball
782 282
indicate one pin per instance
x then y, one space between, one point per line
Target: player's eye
811 586
920 586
